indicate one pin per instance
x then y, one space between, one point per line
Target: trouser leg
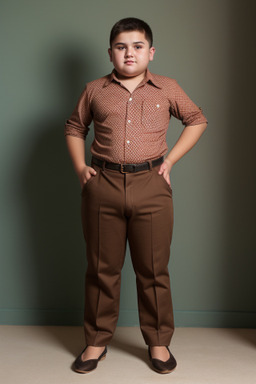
104 229
149 234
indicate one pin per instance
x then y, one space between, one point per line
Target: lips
129 62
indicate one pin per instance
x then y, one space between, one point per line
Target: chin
131 72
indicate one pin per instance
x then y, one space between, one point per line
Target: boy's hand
85 175
165 170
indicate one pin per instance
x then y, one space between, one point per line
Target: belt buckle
122 168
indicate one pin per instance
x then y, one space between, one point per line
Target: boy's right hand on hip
85 175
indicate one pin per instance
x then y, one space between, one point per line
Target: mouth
129 62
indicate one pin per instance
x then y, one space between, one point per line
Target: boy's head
131 47
131 24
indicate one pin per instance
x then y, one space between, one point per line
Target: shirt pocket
155 115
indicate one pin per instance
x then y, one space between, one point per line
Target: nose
128 52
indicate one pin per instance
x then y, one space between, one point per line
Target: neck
130 79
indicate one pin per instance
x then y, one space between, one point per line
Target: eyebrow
135 42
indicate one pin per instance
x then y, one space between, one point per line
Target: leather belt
127 168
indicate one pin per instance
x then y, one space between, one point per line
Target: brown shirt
131 128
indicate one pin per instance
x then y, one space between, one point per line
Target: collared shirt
131 127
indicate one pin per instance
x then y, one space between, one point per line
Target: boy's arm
76 151
188 138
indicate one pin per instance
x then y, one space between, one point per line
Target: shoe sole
77 370
167 371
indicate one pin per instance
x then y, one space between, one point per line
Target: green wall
49 50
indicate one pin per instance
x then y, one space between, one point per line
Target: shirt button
130 99
129 121
157 105
128 141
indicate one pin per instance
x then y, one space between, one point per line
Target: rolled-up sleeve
184 109
78 123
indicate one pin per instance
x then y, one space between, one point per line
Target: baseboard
215 319
129 318
41 317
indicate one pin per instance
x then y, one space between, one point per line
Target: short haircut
131 24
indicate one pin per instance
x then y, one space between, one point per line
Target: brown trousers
137 207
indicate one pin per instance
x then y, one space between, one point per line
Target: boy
126 192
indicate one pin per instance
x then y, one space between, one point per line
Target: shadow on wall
239 284
52 197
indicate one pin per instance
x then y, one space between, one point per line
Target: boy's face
130 54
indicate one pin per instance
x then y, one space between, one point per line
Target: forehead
130 37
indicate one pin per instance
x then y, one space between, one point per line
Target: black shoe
88 365
163 366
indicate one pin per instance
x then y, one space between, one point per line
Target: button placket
128 121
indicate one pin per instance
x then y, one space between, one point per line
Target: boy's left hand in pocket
165 170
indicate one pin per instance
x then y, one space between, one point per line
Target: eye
138 46
120 48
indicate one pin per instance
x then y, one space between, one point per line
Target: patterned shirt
131 127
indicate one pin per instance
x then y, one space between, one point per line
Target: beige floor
43 355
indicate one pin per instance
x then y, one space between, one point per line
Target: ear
152 51
110 53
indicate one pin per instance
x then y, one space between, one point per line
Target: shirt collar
149 78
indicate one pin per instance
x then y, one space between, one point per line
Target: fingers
166 176
165 172
89 172
92 171
162 169
86 174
